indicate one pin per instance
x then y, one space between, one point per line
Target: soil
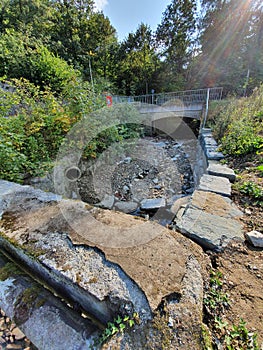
240 263
242 269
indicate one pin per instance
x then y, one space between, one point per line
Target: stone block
255 238
217 169
153 203
215 184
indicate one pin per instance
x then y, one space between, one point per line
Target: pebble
14 347
11 337
18 334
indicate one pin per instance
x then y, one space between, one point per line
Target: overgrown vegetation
238 127
238 124
220 334
218 46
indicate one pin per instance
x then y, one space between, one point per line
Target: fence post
206 106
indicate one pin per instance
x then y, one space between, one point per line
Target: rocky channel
105 263
146 175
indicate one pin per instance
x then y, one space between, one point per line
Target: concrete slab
107 262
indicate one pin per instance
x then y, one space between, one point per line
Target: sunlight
230 31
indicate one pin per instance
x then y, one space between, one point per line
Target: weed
118 325
215 299
252 190
219 334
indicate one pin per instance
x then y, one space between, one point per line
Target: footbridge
188 103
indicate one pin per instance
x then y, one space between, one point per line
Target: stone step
216 184
215 168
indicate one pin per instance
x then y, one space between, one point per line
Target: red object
109 101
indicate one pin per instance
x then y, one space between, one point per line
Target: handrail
187 96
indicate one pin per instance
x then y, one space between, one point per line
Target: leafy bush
24 57
237 124
252 190
33 124
242 138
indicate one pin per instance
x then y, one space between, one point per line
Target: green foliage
137 62
260 169
215 299
252 190
109 136
26 57
118 325
236 336
33 124
237 124
219 334
242 138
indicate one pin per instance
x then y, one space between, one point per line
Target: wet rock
255 238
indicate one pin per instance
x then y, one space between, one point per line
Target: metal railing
186 97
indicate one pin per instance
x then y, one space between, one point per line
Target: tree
25 57
231 45
30 17
174 38
137 62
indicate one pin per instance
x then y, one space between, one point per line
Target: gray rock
18 334
107 202
210 220
126 207
212 154
126 189
127 160
217 169
11 192
153 203
210 231
255 238
180 203
215 184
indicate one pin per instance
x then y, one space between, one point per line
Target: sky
126 15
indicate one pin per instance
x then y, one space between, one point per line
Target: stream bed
140 177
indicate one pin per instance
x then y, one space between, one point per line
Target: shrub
237 124
33 124
25 57
242 138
